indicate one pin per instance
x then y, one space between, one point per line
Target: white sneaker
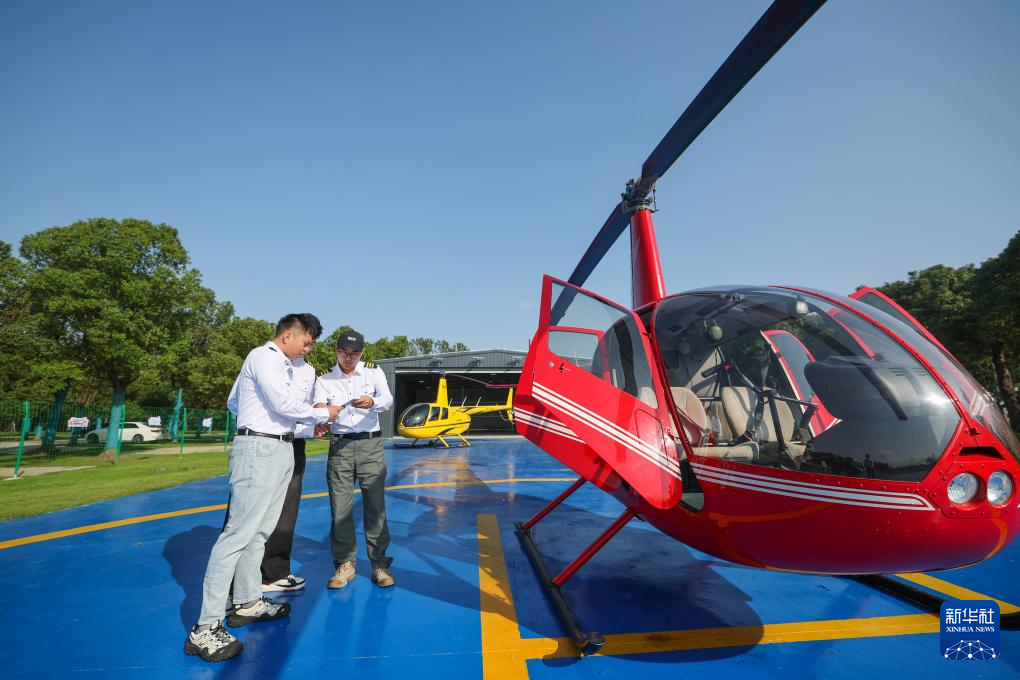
263 609
342 576
292 582
212 644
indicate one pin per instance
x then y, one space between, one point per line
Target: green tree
116 296
33 364
15 339
941 298
996 320
385 348
422 346
973 312
212 370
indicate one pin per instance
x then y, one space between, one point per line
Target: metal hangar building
415 380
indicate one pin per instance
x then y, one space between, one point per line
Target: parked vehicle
134 432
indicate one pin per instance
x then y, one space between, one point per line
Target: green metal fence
34 434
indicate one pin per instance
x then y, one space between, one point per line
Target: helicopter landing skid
413 444
440 438
923 598
587 643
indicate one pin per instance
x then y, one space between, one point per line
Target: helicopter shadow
642 582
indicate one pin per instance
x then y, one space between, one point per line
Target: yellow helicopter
439 419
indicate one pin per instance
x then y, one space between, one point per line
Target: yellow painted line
505 653
89 528
956 592
503 657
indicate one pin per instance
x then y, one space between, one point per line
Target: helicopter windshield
974 396
782 379
414 415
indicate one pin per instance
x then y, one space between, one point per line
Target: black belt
357 435
245 432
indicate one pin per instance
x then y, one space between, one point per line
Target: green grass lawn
136 473
34 455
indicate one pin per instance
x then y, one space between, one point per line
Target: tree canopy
115 297
973 311
103 307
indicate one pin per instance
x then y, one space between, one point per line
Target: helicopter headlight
1000 488
962 488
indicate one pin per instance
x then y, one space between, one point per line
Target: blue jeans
260 469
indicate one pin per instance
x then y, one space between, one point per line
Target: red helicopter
773 426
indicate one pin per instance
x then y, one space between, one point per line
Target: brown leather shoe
382 578
342 576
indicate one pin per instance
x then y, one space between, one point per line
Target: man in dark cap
356 453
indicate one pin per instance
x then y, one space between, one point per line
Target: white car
133 432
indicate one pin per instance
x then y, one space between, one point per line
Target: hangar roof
476 360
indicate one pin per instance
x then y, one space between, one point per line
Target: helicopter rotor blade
600 245
776 26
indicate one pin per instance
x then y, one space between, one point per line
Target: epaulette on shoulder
370 364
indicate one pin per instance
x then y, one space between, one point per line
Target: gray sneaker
212 644
263 609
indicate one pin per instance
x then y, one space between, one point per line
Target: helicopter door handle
563 367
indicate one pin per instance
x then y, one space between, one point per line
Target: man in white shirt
276 571
356 453
260 466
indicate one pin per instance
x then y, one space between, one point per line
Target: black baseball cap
351 340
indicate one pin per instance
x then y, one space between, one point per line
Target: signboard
77 422
155 421
207 423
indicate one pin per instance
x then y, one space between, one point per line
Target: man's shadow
266 645
184 553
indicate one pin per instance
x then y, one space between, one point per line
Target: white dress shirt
303 386
336 387
262 396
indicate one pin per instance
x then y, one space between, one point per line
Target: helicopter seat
699 430
739 405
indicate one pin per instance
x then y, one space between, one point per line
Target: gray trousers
362 460
260 469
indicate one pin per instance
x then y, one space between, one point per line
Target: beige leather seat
738 408
699 427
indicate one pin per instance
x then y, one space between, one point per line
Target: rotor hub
640 195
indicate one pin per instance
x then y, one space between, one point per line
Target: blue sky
414 167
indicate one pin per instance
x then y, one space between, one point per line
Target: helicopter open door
593 371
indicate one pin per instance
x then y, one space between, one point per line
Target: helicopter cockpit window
776 378
414 415
602 339
974 397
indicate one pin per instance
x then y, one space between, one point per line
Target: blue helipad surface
117 600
